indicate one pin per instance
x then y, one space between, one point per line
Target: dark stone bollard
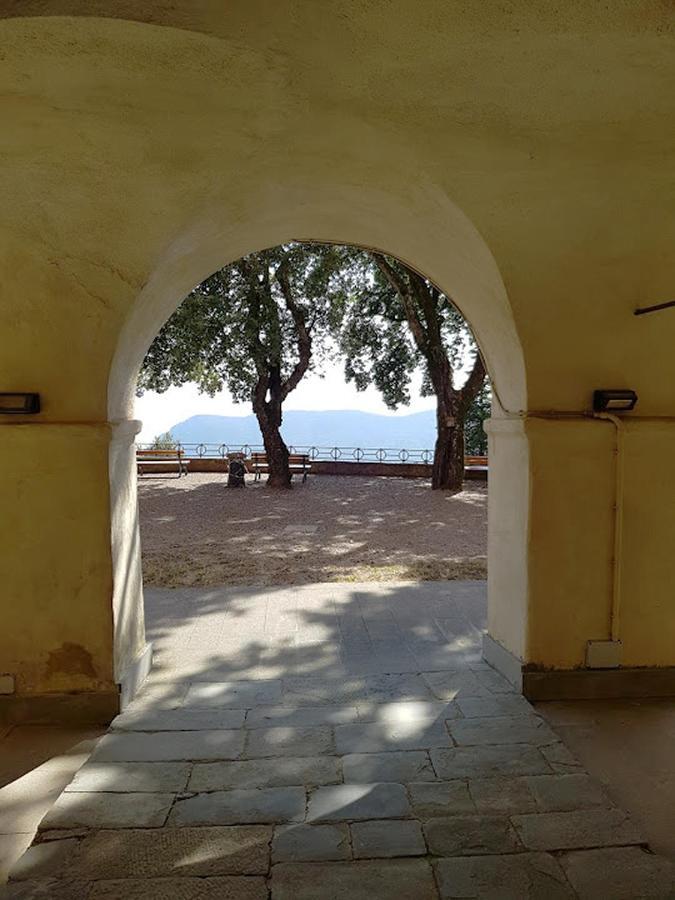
236 473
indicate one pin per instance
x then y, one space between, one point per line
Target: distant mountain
331 428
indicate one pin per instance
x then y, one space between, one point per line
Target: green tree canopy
255 327
395 321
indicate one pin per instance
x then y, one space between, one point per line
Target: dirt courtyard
196 531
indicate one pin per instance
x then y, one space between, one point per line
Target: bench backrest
294 459
156 453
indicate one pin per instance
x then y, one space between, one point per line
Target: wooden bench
298 463
476 467
153 458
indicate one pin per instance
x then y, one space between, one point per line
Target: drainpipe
606 654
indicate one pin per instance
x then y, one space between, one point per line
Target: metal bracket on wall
641 310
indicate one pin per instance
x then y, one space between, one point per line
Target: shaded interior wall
56 575
647 616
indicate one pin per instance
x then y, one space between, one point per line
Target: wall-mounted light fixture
614 401
19 404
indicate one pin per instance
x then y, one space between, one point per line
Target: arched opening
438 242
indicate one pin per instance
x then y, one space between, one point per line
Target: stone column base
85 708
579 684
134 675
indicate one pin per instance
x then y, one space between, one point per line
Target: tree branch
473 383
303 336
403 291
257 348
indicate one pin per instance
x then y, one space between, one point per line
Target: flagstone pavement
332 741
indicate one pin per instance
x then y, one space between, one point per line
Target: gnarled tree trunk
269 415
421 303
447 472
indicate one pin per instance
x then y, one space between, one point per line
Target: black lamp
19 404
614 401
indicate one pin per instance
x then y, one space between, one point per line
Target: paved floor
36 764
335 741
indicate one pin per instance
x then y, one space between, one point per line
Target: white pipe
615 615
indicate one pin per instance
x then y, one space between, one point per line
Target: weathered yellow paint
56 574
521 155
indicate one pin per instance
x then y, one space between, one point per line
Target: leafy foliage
376 339
237 323
475 439
165 441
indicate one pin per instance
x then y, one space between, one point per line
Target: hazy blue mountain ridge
330 428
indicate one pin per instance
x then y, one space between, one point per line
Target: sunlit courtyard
196 531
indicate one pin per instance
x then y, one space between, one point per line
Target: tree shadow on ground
197 532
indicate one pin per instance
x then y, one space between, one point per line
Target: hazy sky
159 412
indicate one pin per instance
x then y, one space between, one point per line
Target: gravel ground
195 531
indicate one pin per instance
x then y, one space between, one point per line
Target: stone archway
428 232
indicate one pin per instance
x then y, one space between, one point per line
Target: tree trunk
268 413
279 475
447 473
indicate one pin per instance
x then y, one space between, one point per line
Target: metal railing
206 450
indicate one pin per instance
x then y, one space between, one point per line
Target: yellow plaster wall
56 630
647 616
521 156
570 538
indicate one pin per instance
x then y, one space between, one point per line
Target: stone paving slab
281 771
493 681
52 859
527 729
520 876
357 801
561 759
302 843
455 684
386 688
137 746
150 853
622 873
178 720
157 697
417 734
471 835
98 810
560 793
442 798
232 694
576 830
446 656
48 889
164 852
404 711
400 766
393 879
388 838
282 804
288 741
498 705
489 762
226 887
503 795
370 662
125 777
268 716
